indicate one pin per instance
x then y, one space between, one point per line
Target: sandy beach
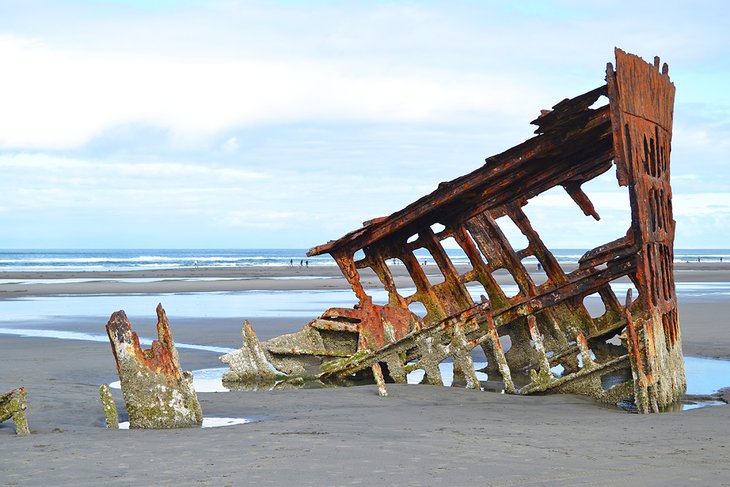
419 435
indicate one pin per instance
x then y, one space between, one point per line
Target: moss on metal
157 393
12 406
110 408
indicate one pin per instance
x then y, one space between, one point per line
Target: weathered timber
157 393
630 352
12 406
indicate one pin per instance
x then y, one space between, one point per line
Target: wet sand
419 435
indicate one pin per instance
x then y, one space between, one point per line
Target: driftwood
631 352
157 393
13 406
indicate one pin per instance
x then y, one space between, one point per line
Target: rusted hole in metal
437 228
506 282
403 280
615 340
594 305
557 370
536 270
615 378
506 342
579 357
412 238
516 239
600 102
417 308
453 248
430 268
380 298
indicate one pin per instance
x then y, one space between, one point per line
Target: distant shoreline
157 260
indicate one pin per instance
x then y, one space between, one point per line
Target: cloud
248 219
230 145
221 119
56 98
701 205
42 166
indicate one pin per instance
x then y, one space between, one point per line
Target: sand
419 435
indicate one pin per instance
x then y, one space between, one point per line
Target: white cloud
57 98
230 146
243 115
701 205
257 219
42 166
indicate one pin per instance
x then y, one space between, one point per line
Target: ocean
138 259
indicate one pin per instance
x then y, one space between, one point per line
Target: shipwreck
157 392
632 352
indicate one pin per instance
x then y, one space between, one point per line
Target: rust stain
161 357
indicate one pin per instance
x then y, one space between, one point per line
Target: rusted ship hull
633 351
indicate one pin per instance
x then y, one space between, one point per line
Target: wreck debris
109 406
340 333
628 351
157 393
248 364
379 380
12 406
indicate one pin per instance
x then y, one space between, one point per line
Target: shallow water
241 305
705 376
252 304
208 422
93 337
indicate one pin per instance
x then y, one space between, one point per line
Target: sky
284 124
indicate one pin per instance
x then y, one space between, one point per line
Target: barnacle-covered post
157 393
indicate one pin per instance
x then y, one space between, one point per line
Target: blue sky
220 124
